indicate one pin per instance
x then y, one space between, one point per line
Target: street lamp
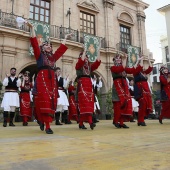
68 14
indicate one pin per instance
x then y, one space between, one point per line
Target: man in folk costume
84 88
47 91
135 104
142 92
97 84
62 101
165 93
122 103
73 115
11 98
25 100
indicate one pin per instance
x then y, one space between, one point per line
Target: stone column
8 61
141 30
109 33
67 67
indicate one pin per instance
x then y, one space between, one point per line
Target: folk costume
135 104
97 84
11 98
25 100
47 91
122 103
73 115
62 101
165 93
142 93
85 90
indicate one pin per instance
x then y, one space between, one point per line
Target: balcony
9 20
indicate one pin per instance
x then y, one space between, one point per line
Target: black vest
61 82
12 85
139 78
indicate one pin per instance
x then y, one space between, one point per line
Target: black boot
142 124
25 124
49 131
65 117
136 115
41 126
82 127
92 125
160 120
124 126
12 114
5 115
94 118
117 125
57 118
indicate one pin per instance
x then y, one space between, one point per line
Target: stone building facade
118 22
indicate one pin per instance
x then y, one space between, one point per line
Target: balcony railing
9 20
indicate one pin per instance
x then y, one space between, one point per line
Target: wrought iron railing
60 32
9 20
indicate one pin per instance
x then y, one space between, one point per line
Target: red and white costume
165 94
46 87
123 104
85 89
142 92
25 101
73 115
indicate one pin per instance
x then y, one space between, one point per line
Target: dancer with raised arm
142 92
85 89
122 102
47 91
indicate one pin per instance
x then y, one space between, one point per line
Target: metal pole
69 13
12 7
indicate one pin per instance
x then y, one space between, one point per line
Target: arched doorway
32 69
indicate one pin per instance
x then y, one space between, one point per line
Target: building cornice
141 3
163 9
108 3
88 5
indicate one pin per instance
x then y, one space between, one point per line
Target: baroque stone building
117 22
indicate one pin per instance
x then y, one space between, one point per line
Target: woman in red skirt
47 91
25 100
84 88
73 115
165 93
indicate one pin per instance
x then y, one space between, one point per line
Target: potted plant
109 105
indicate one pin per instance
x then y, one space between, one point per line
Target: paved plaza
104 148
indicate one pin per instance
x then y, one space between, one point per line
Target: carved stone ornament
108 3
126 17
88 4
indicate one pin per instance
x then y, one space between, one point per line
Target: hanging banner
92 45
42 31
133 55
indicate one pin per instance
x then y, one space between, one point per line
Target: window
124 38
87 23
167 54
155 79
40 10
154 70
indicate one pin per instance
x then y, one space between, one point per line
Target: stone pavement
104 148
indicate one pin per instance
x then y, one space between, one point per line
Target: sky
155 25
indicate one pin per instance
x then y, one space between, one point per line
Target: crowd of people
57 98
